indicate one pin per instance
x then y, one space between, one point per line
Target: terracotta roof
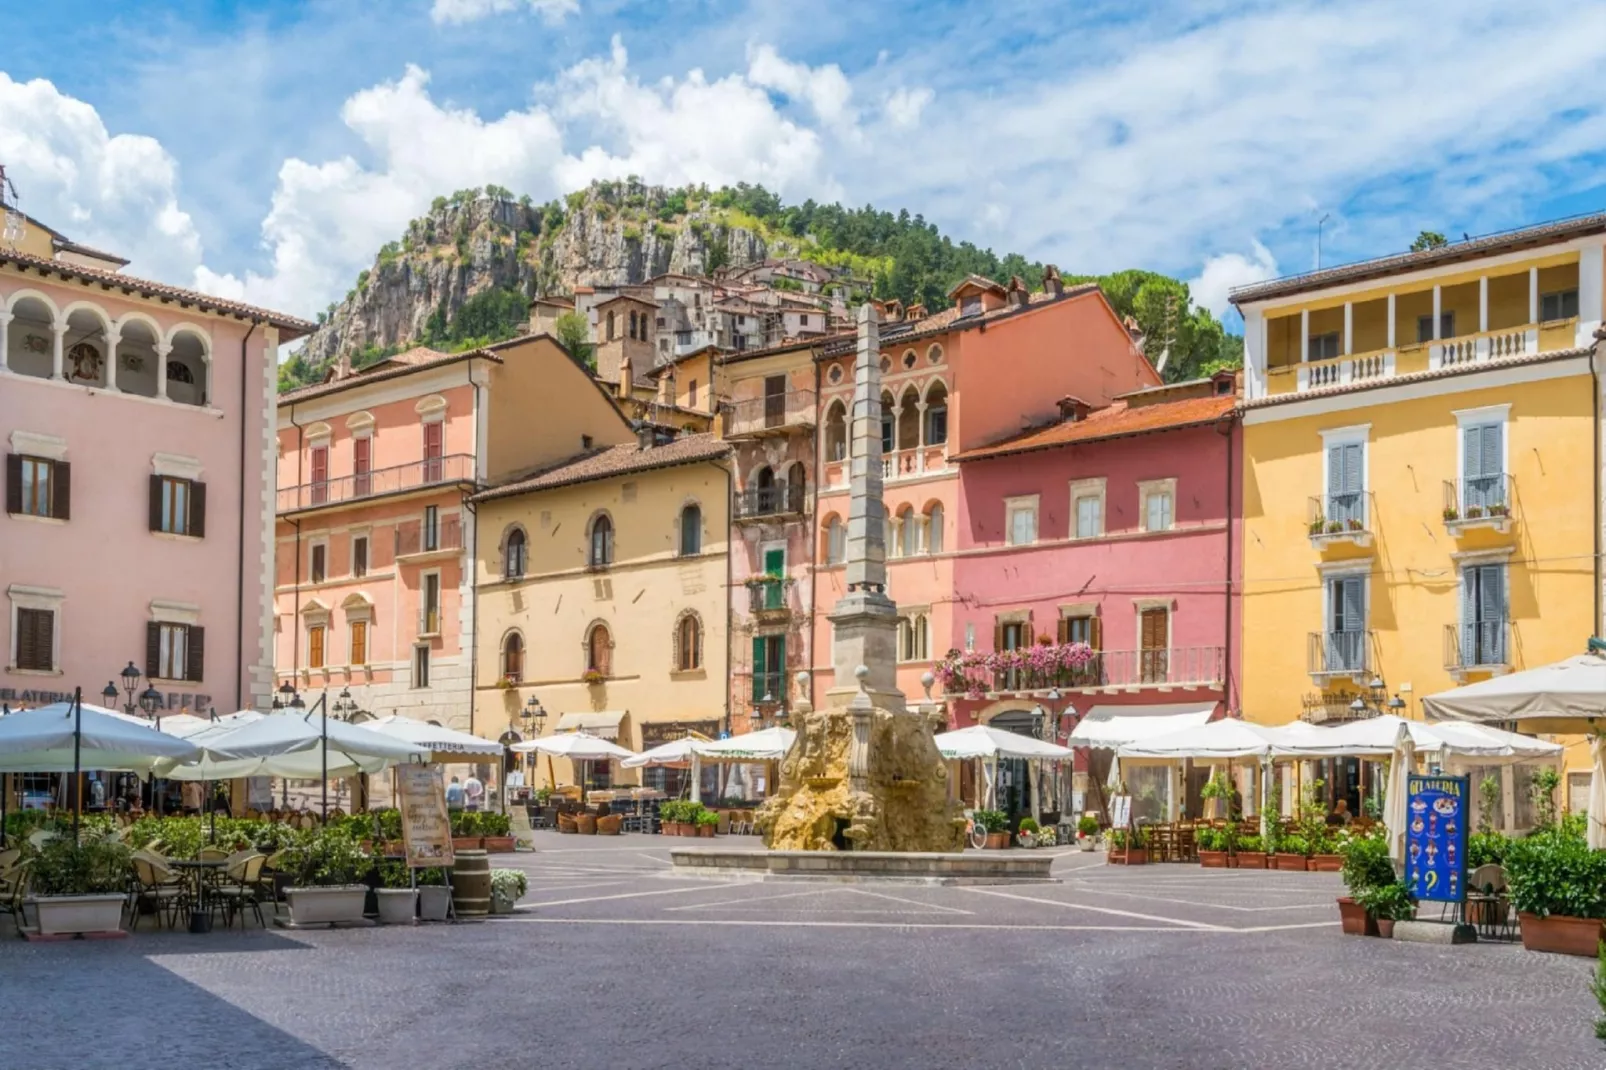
561 302
1113 421
949 319
1418 377
791 346
1487 245
979 281
613 461
390 368
291 327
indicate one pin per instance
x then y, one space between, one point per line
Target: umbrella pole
323 705
77 770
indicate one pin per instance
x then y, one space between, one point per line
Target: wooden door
1154 640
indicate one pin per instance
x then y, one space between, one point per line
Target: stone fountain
863 792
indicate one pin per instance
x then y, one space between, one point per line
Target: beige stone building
603 593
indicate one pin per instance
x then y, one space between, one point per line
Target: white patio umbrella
581 746
40 740
1395 812
677 752
985 741
765 745
444 744
1569 696
1597 793
292 745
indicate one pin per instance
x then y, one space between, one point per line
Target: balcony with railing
783 499
1347 653
767 598
1513 310
417 538
1164 668
1479 502
1477 646
772 414
1340 519
415 475
768 690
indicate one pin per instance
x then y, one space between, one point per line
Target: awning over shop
603 724
1110 727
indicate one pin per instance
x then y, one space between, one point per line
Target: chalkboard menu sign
1436 838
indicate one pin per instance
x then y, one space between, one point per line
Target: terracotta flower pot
1291 863
466 843
1353 918
1131 856
1385 928
1213 859
706 832
997 841
1326 863
1251 860
1561 935
499 844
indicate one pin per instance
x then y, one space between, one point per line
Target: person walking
454 795
474 792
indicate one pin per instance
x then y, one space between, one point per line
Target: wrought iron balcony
767 597
783 499
1479 646
1340 654
772 414
417 537
1478 502
769 690
1341 518
454 468
1184 666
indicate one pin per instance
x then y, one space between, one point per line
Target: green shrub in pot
95 866
1556 873
1087 825
327 858
495 824
1366 864
1388 902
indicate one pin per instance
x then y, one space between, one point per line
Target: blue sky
266 150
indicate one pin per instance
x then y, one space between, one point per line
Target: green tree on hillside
573 334
1429 239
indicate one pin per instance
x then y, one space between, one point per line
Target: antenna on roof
15 222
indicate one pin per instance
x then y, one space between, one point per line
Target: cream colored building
602 588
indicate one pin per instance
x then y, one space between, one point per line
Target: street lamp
150 700
130 677
345 707
110 695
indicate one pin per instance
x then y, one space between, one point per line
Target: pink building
968 375
137 424
1112 527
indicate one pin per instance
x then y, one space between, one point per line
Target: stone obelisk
863 773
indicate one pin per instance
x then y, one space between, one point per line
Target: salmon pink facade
968 375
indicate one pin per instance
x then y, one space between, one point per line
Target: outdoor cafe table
199 871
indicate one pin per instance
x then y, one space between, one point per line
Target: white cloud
115 193
1222 273
826 88
553 11
903 106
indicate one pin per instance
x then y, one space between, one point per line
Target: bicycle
975 831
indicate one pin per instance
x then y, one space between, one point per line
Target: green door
775 570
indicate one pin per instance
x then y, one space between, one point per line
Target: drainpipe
1227 429
730 578
813 534
473 577
295 579
239 564
1594 403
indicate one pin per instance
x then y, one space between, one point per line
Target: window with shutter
318 563
33 486
1483 467
36 639
315 635
1346 484
361 463
1346 641
1154 628
172 648
359 642
434 449
319 457
173 505
1483 615
359 556
195 654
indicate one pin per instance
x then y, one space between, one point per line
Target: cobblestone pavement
612 963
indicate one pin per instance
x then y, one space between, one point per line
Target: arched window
908 533
632 324
691 530
912 638
836 432
796 487
909 420
688 643
599 650
887 441
516 556
934 529
610 325
513 657
601 542
836 541
937 414
763 497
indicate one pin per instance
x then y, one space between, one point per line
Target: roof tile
1113 421
613 461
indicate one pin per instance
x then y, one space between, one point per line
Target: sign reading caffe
28 698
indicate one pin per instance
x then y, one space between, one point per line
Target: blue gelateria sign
1436 837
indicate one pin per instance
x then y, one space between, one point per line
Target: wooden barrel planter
471 884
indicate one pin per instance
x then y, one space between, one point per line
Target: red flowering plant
1045 664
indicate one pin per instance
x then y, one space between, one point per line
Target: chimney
626 379
1052 283
1073 409
916 311
343 365
666 387
893 310
644 435
1017 295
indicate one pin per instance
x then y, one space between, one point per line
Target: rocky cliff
487 244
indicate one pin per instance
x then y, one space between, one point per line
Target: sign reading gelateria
30 697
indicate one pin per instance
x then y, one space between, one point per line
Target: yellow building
1420 508
603 594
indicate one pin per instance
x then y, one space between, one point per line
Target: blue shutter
1492 614
1335 479
1469 617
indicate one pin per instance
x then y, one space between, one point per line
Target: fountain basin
917 867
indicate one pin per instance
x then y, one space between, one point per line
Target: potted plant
1388 903
466 830
1087 831
1291 853
1128 847
1324 851
1484 849
1558 886
1026 833
327 869
1365 866
1451 514
507 887
707 823
1047 836
1213 847
496 832
397 899
1249 853
996 822
592 677
80 887
1317 526
1500 510
434 894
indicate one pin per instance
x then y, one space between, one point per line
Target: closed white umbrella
1395 812
40 740
1597 793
